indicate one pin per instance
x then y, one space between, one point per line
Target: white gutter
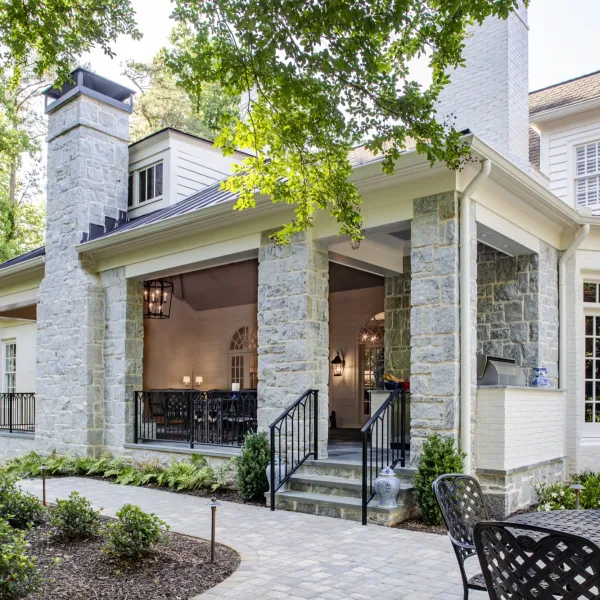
562 303
465 310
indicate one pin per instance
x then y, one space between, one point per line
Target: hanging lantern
157 299
338 364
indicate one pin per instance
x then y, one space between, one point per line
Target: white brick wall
490 95
519 427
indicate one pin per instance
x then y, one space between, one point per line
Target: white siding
198 165
25 336
559 139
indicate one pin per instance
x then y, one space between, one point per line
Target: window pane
597 391
589 292
589 326
589 369
597 416
159 179
142 187
589 391
597 347
597 325
150 172
589 347
130 190
588 412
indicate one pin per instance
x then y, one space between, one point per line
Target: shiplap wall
25 336
557 150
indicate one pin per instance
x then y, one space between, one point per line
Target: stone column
435 324
293 328
123 355
87 181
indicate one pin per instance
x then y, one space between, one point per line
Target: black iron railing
217 417
294 439
383 443
17 412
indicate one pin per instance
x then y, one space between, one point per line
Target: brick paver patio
292 555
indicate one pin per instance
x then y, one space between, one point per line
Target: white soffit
503 235
380 253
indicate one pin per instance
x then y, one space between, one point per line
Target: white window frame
590 430
6 344
589 173
135 188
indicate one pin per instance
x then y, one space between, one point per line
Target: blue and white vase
387 488
539 377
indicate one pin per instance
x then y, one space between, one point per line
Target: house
500 259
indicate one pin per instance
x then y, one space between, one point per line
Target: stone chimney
88 136
490 96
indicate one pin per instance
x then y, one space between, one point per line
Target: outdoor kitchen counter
519 426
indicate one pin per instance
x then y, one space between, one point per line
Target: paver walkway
292 555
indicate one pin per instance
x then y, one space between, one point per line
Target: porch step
343 507
334 489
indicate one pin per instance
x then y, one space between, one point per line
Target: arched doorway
371 361
243 358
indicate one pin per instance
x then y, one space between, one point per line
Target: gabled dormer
170 165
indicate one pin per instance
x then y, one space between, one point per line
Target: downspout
562 304
465 310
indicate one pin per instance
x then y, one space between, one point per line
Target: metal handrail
17 412
295 447
386 452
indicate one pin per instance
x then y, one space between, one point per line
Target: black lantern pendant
157 299
338 364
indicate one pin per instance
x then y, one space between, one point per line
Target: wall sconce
199 381
186 380
338 364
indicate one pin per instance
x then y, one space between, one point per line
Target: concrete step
349 470
348 507
325 484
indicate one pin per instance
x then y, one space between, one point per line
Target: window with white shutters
587 174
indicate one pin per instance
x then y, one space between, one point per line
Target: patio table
584 523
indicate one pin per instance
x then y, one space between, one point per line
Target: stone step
342 507
349 470
325 484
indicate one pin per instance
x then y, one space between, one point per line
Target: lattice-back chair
461 503
540 565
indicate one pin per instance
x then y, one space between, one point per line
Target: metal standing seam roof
24 257
565 93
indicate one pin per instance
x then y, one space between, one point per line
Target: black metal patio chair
461 503
542 565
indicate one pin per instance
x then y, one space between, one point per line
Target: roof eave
559 112
22 270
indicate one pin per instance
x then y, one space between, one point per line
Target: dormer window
145 185
587 174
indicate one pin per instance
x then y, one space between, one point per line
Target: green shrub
135 533
555 496
75 518
18 575
21 509
252 467
438 456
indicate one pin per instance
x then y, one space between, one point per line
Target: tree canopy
322 77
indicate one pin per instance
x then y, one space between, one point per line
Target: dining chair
461 503
542 565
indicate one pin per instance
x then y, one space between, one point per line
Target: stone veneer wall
293 328
508 491
123 355
397 323
87 180
435 324
518 307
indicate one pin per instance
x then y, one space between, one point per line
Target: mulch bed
418 525
79 570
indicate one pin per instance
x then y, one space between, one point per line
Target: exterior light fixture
186 380
157 299
199 381
338 364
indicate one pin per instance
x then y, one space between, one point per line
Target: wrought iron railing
383 443
294 439
216 417
17 412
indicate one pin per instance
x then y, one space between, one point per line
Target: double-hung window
587 174
10 367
